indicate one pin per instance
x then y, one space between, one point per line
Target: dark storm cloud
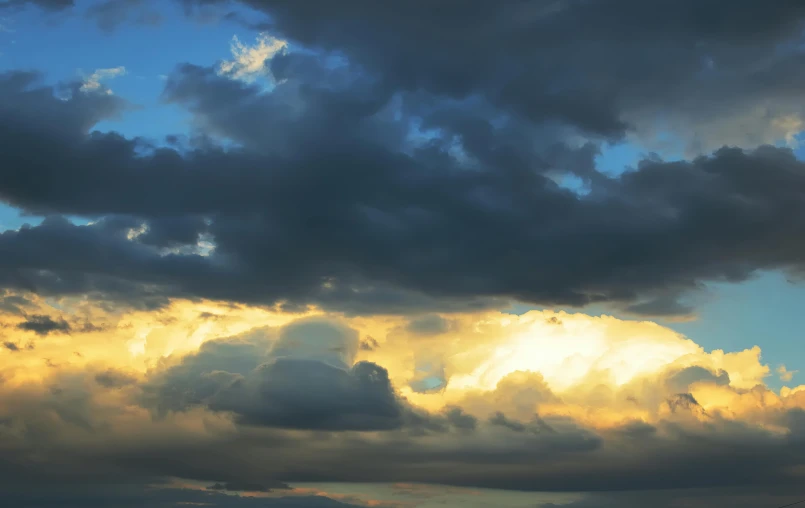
571 458
44 325
173 231
665 305
596 66
308 394
368 221
305 381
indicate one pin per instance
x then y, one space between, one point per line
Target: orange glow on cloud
599 370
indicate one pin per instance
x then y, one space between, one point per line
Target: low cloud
291 403
307 379
43 325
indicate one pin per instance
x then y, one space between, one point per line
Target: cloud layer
301 402
371 219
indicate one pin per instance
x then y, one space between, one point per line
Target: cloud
43 325
93 81
249 62
112 378
377 234
307 294
711 86
785 374
307 380
132 496
13 303
428 325
300 401
369 344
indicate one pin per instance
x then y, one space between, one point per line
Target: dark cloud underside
369 224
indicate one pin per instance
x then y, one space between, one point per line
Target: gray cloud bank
347 212
422 175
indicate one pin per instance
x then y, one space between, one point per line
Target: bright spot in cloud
133 233
566 354
789 126
137 345
248 62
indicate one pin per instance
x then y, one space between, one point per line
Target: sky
543 253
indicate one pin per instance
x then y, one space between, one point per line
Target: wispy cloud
93 81
248 61
785 374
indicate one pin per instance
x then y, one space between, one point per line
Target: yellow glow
566 354
598 370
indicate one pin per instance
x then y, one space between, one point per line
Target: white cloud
785 374
93 81
248 62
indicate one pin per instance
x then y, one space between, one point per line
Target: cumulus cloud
290 387
376 233
308 379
